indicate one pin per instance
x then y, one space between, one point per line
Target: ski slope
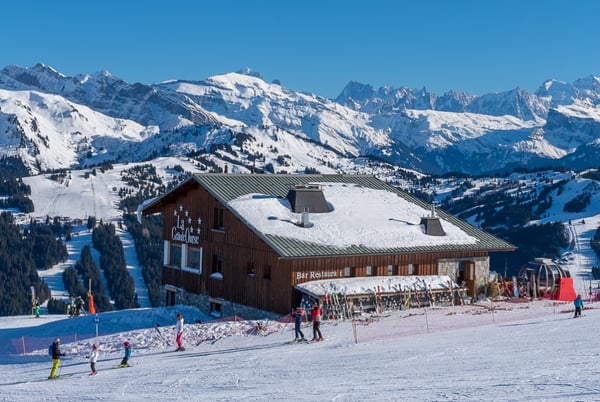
502 352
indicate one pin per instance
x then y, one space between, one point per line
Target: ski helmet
126 343
94 346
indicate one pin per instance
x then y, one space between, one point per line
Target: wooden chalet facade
218 258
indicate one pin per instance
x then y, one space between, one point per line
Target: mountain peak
249 72
45 69
104 74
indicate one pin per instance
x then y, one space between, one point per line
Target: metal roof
226 187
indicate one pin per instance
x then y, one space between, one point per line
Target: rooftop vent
307 198
432 224
305 221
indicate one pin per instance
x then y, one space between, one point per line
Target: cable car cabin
545 278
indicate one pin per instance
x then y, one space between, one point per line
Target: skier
124 362
56 354
179 331
315 314
78 306
94 358
36 308
71 307
578 302
298 315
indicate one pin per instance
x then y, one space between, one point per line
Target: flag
92 309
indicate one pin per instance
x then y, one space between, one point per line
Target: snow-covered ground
503 351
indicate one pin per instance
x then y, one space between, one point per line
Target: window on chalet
413 269
348 271
370 270
194 259
250 269
390 270
175 255
217 267
267 272
218 219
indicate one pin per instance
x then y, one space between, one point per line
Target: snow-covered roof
366 216
376 284
359 216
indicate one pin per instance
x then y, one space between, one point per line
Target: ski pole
165 343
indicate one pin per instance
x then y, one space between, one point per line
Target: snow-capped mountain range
52 121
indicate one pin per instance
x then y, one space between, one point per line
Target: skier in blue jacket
578 302
124 362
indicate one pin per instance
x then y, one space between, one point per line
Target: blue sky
312 46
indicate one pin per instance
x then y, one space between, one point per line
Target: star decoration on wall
185 221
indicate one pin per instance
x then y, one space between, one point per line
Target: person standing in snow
94 358
578 302
56 354
36 308
71 307
78 306
315 314
124 362
299 315
179 332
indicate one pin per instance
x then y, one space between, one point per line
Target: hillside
473 199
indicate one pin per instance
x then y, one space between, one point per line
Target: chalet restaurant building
238 244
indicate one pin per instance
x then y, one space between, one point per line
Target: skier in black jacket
56 354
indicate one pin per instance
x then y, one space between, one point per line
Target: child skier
124 362
578 302
94 358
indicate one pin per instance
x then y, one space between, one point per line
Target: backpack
50 350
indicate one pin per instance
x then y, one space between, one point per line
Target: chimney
431 224
305 220
307 198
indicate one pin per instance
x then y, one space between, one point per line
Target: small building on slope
238 244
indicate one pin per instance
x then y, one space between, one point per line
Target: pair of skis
165 342
333 305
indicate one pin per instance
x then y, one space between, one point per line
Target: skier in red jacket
315 314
